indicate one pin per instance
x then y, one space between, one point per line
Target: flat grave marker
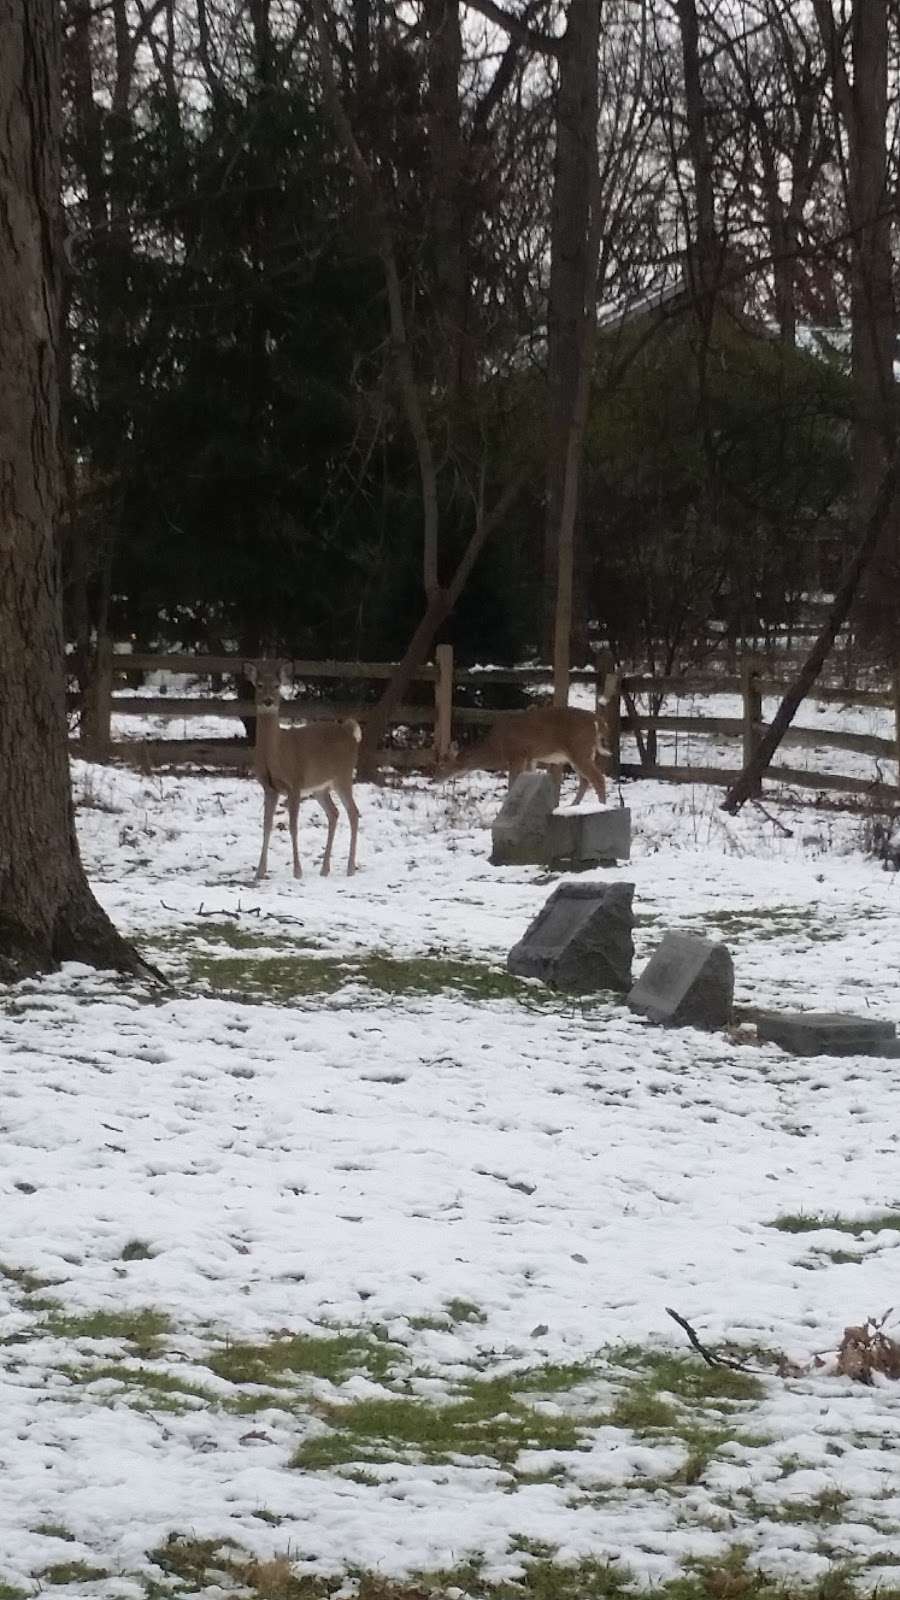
827 1033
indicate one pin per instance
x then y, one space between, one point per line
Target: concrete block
688 982
827 1033
580 941
529 831
580 839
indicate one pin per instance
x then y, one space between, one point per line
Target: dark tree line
260 453
370 321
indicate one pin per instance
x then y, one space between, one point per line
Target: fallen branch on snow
711 1357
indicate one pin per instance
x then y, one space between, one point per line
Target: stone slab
582 839
519 832
827 1033
581 939
529 831
688 982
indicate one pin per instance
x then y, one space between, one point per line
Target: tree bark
47 911
574 168
403 361
703 258
862 105
455 363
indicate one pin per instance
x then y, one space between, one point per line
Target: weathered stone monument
530 831
521 826
688 982
580 941
827 1033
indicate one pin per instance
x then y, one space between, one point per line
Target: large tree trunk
862 105
872 310
47 911
455 362
573 175
703 257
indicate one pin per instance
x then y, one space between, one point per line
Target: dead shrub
868 1349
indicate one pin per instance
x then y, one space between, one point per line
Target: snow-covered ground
343 1120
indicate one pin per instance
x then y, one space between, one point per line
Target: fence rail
441 710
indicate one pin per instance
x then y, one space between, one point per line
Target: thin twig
711 1357
775 821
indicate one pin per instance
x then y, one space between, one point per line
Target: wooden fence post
443 702
612 694
96 722
752 711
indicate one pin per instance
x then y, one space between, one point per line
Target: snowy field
354 1252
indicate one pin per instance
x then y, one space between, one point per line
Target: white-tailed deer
316 759
540 736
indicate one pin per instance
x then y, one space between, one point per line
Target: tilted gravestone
827 1033
520 830
580 941
688 982
529 831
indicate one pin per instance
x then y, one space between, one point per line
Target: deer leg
331 812
590 773
352 810
270 801
293 813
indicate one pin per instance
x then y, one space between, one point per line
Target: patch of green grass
288 978
142 1328
28 1282
10 1591
149 1389
488 1420
54 1530
137 1250
642 1411
333 1357
201 1564
687 1377
192 1561
549 1377
827 1506
701 1444
731 1577
774 922
816 1222
838 1258
465 1311
198 1564
234 935
73 1572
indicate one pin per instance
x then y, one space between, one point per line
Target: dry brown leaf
866 1350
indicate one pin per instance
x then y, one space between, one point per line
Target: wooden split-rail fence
634 706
